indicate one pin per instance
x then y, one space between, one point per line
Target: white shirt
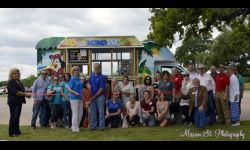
193 75
135 110
186 85
234 88
207 81
128 89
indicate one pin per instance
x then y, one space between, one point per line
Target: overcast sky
22 28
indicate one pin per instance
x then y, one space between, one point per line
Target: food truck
117 56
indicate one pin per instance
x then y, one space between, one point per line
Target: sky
22 28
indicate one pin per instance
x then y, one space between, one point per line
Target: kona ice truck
117 56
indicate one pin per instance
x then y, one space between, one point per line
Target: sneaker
52 127
189 124
144 125
33 127
13 135
186 123
235 124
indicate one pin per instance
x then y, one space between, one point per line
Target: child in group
86 104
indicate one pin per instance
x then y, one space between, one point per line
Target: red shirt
147 106
177 79
221 81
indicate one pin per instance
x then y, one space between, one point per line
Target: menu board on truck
78 56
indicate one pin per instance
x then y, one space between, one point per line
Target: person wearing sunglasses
55 103
76 100
39 90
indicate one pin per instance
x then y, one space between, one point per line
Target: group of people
72 101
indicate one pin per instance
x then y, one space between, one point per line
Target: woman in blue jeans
147 110
67 113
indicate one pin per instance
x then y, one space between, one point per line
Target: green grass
247 86
170 133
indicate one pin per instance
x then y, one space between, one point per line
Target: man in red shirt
221 99
177 80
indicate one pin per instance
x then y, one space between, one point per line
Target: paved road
27 110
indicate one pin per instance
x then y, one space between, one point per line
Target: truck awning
49 43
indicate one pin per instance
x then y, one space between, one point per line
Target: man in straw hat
208 81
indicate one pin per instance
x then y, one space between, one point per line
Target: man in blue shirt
98 84
39 90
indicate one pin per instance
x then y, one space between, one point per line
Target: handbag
49 97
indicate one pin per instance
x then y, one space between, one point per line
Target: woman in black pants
113 111
16 97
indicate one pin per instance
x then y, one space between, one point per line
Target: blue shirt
57 98
39 88
97 82
65 86
76 85
113 107
167 88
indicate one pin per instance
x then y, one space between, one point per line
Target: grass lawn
170 133
247 86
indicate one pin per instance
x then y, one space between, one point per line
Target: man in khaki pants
221 101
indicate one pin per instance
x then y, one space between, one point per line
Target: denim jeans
200 118
149 120
47 113
97 107
67 113
15 112
38 107
211 107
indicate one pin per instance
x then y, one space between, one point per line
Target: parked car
3 91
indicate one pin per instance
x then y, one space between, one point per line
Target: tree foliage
194 27
187 22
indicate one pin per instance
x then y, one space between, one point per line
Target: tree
190 50
28 82
170 24
194 27
231 47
